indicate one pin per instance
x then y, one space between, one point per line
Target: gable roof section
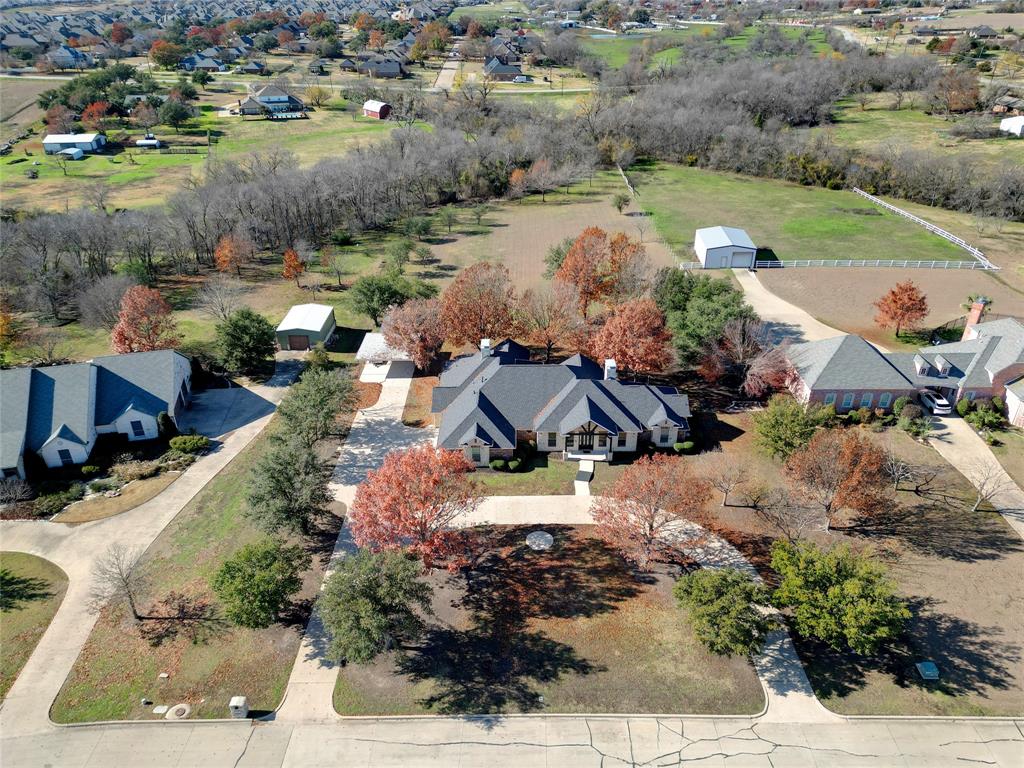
59 404
719 237
845 362
306 317
142 380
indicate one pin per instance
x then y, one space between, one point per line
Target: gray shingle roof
15 385
59 401
491 398
143 380
845 362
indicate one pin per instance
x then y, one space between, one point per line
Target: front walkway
75 549
961 446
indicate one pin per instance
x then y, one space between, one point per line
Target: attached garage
305 326
724 248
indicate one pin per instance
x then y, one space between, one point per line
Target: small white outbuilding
74 153
724 248
1012 125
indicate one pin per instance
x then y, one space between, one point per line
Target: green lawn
31 590
542 476
117 667
795 222
1010 453
615 50
491 11
816 38
878 125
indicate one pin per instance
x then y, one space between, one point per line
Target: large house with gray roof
848 372
56 412
491 401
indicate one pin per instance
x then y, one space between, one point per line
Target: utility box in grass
239 707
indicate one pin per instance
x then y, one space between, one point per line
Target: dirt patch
568 630
957 570
816 290
520 234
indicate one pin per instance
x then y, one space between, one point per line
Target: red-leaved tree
479 304
144 323
903 305
745 350
412 501
840 470
415 328
651 509
635 336
95 115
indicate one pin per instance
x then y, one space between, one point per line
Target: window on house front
622 439
65 457
970 394
601 441
137 429
474 453
848 400
830 398
552 439
865 400
884 399
568 441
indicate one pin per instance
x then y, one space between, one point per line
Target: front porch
581 455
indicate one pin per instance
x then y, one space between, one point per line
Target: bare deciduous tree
989 480
220 296
14 490
897 469
48 346
100 303
778 509
116 577
724 474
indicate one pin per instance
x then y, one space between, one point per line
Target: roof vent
485 348
611 371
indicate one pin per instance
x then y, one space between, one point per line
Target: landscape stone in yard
540 541
161 709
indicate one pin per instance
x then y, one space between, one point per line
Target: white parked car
520 79
936 403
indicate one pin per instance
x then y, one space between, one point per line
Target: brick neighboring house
848 372
489 402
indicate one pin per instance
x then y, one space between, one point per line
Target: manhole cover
178 712
540 540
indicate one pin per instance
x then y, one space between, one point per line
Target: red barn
376 109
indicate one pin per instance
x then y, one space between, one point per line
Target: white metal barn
1014 125
724 248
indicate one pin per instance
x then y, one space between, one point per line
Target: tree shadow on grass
939 531
971 658
493 666
16 590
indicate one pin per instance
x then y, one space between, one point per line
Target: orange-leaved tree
144 323
584 266
656 506
412 502
840 470
293 266
903 305
635 337
479 304
415 328
231 252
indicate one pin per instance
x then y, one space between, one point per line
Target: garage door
298 342
740 259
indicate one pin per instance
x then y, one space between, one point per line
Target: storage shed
72 154
87 142
377 109
724 248
306 325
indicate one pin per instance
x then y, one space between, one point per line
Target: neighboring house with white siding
57 412
489 402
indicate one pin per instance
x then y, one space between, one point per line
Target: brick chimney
974 316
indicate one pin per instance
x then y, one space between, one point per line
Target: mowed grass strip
795 222
118 668
31 590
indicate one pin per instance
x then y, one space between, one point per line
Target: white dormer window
942 364
920 365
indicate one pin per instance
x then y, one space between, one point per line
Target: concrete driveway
787 321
